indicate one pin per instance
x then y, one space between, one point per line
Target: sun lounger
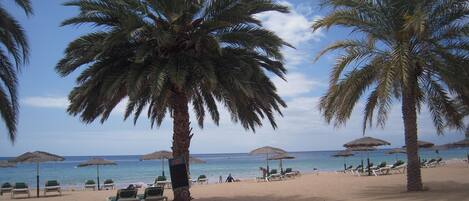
440 162
202 179
154 194
290 173
125 195
52 186
381 169
274 175
109 183
20 188
161 181
430 164
90 184
357 170
6 188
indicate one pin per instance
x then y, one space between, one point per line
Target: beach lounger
154 194
6 188
440 162
109 183
52 186
274 175
431 163
400 169
290 173
125 195
20 188
162 182
381 169
357 170
202 179
90 184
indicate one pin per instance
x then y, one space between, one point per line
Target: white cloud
46 102
296 84
292 27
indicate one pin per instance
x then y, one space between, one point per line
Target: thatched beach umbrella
37 157
396 152
98 162
344 154
281 157
267 150
158 155
366 142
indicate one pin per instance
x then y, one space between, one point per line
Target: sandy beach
443 183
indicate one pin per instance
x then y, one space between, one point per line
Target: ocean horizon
130 169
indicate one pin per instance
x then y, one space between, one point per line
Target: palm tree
163 55
15 47
415 51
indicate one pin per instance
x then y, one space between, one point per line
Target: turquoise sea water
240 165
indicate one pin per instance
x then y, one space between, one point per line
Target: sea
130 169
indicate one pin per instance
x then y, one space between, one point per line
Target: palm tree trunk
409 115
181 138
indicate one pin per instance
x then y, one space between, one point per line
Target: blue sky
45 125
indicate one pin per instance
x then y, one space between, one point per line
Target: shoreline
445 183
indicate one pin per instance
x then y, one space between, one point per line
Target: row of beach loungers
278 176
399 167
21 188
151 194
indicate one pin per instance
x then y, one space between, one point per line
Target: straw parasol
366 142
97 161
395 152
7 164
267 150
158 155
37 157
344 154
281 157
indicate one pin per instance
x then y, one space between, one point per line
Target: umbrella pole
345 165
368 161
37 179
361 154
281 167
97 175
267 160
162 167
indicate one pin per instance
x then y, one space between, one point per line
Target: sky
45 125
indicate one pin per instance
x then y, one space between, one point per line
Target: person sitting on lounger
230 178
264 172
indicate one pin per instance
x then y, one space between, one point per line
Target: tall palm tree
14 46
415 51
163 55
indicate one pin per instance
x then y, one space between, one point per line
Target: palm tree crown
402 38
14 47
413 50
147 51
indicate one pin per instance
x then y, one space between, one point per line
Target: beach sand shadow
266 198
436 191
